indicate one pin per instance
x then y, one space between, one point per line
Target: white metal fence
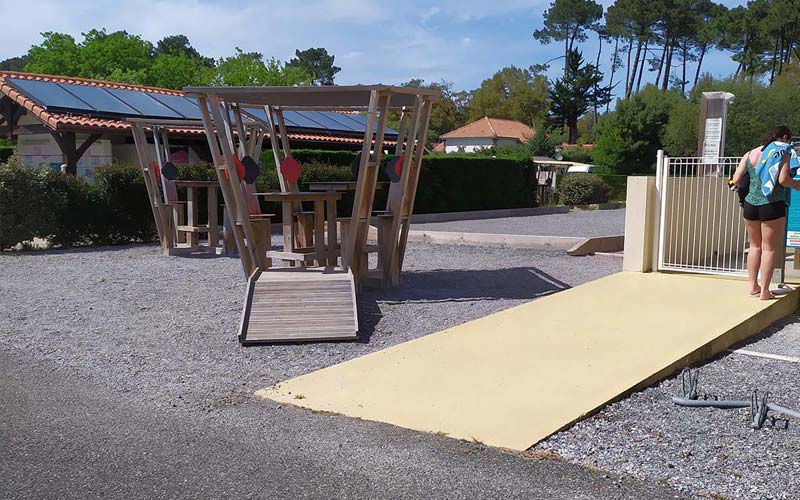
701 228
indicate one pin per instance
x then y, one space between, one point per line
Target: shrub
583 189
121 211
618 185
22 204
578 154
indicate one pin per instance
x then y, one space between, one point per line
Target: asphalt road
63 436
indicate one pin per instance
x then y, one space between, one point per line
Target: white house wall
38 149
472 144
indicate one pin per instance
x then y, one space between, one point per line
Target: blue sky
463 41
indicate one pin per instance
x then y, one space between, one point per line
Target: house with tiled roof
485 133
81 123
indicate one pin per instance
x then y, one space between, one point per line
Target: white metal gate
700 228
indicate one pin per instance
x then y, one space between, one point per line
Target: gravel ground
122 377
704 451
586 223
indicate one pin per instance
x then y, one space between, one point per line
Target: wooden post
151 184
408 205
224 176
395 204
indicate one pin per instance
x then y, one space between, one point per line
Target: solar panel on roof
49 94
145 104
301 119
319 120
183 105
99 99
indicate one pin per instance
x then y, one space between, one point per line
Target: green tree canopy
512 93
176 45
249 68
58 54
629 137
447 113
14 63
317 63
116 56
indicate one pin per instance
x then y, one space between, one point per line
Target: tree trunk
573 130
613 70
699 64
628 66
641 67
629 87
668 67
774 59
661 64
597 65
683 73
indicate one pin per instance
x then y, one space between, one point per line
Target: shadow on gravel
468 285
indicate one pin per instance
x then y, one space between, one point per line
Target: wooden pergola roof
352 97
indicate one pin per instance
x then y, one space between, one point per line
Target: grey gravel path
120 377
585 223
704 451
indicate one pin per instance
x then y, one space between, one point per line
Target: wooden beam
86 145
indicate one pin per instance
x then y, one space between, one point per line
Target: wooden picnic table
192 221
320 251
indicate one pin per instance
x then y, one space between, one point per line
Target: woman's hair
775 135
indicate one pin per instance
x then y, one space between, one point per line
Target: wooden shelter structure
315 304
176 220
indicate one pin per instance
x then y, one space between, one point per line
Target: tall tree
568 21
447 113
117 56
176 45
576 93
58 54
635 21
710 18
14 63
512 93
249 69
178 71
317 63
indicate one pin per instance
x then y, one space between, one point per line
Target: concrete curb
495 240
600 244
489 214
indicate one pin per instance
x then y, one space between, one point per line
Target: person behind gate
771 168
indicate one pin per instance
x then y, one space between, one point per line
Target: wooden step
299 305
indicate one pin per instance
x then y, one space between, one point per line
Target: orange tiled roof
493 128
63 121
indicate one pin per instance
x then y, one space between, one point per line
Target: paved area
578 223
513 378
121 377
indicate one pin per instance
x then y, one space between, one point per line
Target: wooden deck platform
299 305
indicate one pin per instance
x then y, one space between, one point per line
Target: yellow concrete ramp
513 378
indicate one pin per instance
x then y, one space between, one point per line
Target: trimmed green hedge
43 203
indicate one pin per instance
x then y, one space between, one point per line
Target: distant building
485 133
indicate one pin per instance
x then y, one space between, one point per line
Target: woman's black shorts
764 213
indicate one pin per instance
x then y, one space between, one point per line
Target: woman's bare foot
755 291
767 295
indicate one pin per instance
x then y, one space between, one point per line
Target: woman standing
771 168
